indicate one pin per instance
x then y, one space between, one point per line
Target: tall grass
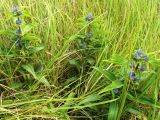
60 81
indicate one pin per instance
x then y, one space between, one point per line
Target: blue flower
137 57
89 32
116 90
146 58
17 44
81 42
132 65
15 8
18 31
142 68
138 54
19 39
18 21
132 75
27 47
19 13
89 16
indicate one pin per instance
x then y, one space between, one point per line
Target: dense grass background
68 86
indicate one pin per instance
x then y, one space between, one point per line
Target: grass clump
87 60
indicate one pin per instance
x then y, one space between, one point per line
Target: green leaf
155 62
144 86
144 100
30 69
133 110
75 63
158 116
44 81
91 61
68 102
31 37
119 60
69 80
39 78
89 99
16 85
26 29
37 49
146 75
6 32
113 85
109 75
113 111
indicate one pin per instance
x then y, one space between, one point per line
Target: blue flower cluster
89 33
139 55
116 91
138 64
18 31
132 75
85 40
18 22
89 17
15 8
19 38
17 14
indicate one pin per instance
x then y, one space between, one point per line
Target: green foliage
79 59
111 86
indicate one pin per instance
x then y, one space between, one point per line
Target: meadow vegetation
79 59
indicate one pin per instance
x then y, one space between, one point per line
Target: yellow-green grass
123 26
